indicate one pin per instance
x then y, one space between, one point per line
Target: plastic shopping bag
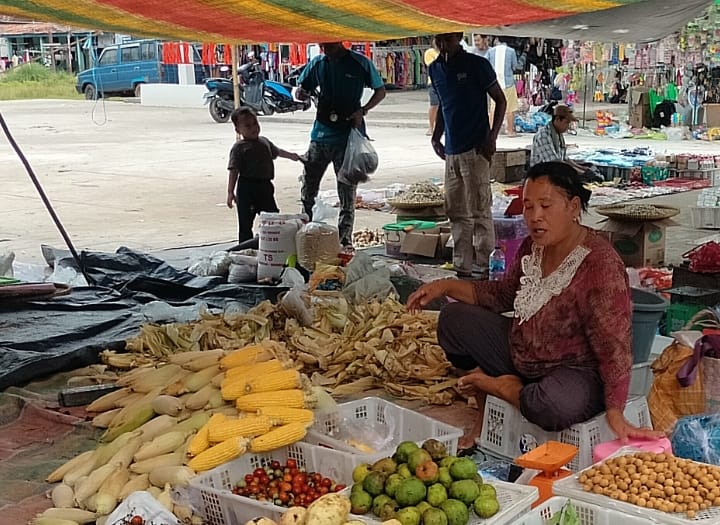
360 159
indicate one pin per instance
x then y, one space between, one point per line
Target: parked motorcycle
263 96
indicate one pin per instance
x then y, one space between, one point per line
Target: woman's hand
425 294
625 431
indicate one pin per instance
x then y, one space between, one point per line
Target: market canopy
238 21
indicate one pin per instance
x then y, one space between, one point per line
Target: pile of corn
167 422
347 350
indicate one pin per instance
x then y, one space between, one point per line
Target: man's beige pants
468 205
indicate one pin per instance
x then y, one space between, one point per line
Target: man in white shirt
480 46
504 60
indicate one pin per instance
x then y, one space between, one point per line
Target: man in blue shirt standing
341 75
463 82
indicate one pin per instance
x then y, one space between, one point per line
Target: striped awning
239 21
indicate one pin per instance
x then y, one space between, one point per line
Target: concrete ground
151 178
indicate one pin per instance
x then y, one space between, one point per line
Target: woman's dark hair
562 175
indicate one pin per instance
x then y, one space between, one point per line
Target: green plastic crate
678 315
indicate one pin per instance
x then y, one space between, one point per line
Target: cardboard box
508 165
639 107
712 115
639 244
421 242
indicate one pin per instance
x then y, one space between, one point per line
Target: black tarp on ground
42 337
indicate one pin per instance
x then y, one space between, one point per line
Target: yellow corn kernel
285 415
257 369
283 380
199 441
219 454
279 437
247 355
244 427
294 398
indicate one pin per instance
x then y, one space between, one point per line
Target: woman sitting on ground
565 353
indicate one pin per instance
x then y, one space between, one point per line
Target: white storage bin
570 488
515 501
705 217
508 434
210 492
588 514
383 418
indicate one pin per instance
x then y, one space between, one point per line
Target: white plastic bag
6 264
360 159
243 266
216 264
143 504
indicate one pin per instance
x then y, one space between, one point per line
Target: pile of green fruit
422 485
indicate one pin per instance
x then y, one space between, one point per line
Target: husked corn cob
168 405
247 355
76 515
157 425
294 398
286 415
199 441
163 460
279 437
139 482
283 380
219 454
245 427
259 369
155 377
200 398
194 422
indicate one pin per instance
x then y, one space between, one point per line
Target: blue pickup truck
123 69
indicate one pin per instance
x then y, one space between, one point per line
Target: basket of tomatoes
255 485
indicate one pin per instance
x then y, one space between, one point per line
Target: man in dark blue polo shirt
463 82
341 75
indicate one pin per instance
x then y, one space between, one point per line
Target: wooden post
235 57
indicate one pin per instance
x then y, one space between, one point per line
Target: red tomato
316 477
275 465
259 472
137 520
264 479
324 490
285 486
248 478
340 487
291 463
254 489
287 477
326 482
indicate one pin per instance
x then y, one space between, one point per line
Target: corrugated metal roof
32 28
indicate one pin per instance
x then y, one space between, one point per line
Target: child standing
251 171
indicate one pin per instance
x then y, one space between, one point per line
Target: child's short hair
241 114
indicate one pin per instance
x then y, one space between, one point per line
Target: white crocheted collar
535 290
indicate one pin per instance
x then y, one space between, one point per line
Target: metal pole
45 200
585 90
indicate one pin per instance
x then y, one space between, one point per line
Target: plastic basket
515 501
588 514
508 434
570 487
383 418
210 492
705 217
678 315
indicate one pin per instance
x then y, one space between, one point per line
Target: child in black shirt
251 171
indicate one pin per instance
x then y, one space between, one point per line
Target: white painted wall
172 95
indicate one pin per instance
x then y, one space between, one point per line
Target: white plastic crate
211 491
570 488
383 418
508 434
705 217
588 514
515 501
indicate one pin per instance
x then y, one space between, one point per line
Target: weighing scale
550 458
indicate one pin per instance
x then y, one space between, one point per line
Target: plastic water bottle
497 264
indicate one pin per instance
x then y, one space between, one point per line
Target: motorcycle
263 96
